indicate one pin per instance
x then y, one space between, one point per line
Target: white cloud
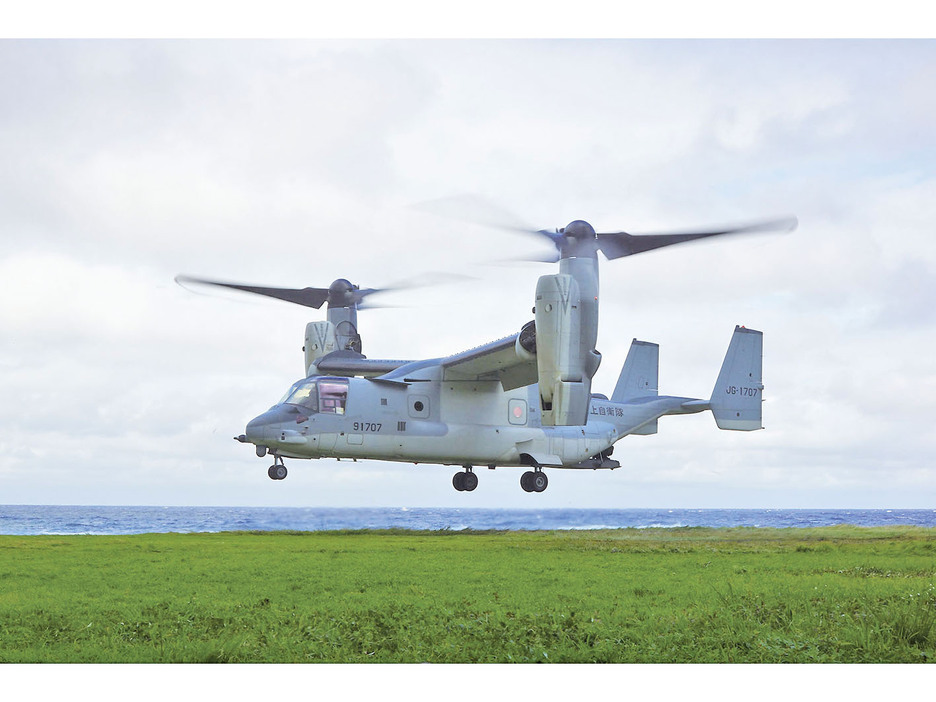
293 163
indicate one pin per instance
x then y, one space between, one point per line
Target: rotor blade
424 280
474 209
545 257
362 304
620 244
341 292
375 306
361 294
307 297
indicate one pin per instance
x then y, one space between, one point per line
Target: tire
470 481
526 481
539 481
458 481
279 472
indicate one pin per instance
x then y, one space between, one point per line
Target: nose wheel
277 471
465 481
534 481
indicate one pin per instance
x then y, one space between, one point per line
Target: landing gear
465 481
277 471
534 481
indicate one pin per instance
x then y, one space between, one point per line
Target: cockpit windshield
302 394
328 395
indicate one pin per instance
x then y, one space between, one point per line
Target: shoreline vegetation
839 594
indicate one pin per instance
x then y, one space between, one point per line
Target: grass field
835 594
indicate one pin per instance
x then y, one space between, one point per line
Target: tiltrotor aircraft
524 400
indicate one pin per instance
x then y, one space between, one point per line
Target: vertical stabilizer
738 394
640 374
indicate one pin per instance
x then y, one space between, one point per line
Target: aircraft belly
457 445
327 441
300 444
462 444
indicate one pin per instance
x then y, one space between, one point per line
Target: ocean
63 519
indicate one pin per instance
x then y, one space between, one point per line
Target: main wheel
277 471
539 481
458 481
470 481
526 481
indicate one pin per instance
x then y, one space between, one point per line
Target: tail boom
635 405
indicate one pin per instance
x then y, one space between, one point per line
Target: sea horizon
138 519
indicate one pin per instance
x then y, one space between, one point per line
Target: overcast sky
125 163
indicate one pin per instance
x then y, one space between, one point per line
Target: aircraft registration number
742 391
367 426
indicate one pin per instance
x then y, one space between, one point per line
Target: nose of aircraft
262 428
256 429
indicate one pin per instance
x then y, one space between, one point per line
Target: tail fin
738 394
640 374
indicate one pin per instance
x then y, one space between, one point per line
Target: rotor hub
577 239
579 229
341 293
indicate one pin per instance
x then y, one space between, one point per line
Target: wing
497 360
351 363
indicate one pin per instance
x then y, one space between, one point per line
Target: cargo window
333 395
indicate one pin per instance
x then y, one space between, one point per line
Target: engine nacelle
525 347
321 339
564 373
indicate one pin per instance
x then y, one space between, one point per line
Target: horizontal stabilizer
738 394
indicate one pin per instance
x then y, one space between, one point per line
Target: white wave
660 526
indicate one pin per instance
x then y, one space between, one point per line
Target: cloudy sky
125 163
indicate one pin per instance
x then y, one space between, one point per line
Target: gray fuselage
428 420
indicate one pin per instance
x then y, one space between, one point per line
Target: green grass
836 594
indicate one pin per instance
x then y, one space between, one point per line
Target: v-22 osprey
523 401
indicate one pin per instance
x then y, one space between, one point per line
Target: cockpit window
333 395
318 395
302 394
